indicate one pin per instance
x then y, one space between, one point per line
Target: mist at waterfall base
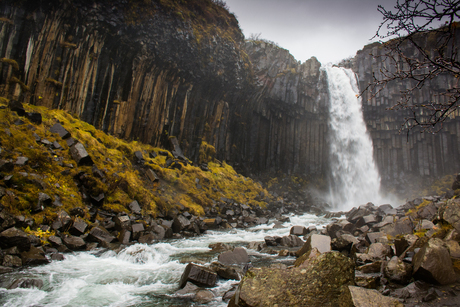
141 275
355 179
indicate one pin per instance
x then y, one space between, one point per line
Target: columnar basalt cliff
150 69
400 156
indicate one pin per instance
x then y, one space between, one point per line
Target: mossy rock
323 283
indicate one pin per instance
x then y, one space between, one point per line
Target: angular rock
398 271
139 157
59 129
224 271
55 241
322 243
74 243
99 235
80 155
122 222
14 237
137 230
379 251
400 227
17 107
237 256
270 241
323 283
62 221
371 298
298 230
180 223
432 263
78 227
21 161
124 236
33 256
11 261
203 297
291 241
134 207
197 275
34 117
153 177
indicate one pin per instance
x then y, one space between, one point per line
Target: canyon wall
403 157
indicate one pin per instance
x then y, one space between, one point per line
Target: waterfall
355 178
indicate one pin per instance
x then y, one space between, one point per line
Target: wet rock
203 297
4 270
225 271
432 263
258 246
137 230
237 256
291 241
80 155
14 237
398 271
197 275
33 256
270 241
55 241
371 298
326 279
100 235
59 129
62 221
26 283
74 243
57 257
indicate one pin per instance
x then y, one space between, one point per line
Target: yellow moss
4 100
11 62
207 153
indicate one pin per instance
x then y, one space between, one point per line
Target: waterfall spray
355 178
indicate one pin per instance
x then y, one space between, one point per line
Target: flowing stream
140 275
355 178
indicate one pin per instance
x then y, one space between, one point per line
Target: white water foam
140 275
355 178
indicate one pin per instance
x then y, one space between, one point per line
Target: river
139 275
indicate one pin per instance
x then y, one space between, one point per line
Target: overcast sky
330 30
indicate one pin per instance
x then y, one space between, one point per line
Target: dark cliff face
145 70
403 158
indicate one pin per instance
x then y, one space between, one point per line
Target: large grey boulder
74 243
324 282
180 223
100 235
432 263
59 129
291 241
379 251
450 212
322 243
33 256
398 271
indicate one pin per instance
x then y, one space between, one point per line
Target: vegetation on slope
117 175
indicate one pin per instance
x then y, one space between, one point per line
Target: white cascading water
356 180
140 275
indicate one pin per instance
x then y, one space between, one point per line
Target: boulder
78 227
122 222
198 275
224 271
432 263
124 236
180 223
258 246
139 157
323 283
17 107
14 237
454 248
11 261
400 227
398 271
291 241
219 247
153 177
59 129
100 235
371 298
74 243
137 230
322 243
62 221
80 155
270 241
55 241
33 256
237 256
298 230
379 251
203 296
134 207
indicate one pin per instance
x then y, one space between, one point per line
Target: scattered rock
371 298
59 129
198 275
80 155
14 237
26 283
237 256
